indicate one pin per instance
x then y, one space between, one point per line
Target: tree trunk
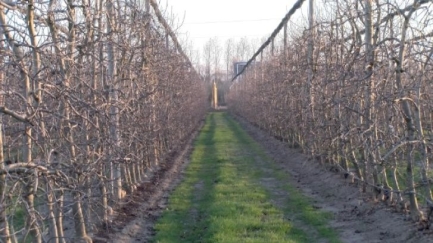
425 167
59 219
27 140
416 214
116 169
310 117
4 224
369 126
32 226
53 231
80 225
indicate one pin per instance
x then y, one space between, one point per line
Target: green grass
221 198
18 221
19 218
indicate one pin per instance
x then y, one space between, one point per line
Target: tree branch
15 115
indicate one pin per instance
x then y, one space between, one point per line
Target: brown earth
356 218
134 220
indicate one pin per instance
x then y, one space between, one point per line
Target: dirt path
134 221
354 218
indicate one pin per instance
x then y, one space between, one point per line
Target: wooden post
285 45
215 95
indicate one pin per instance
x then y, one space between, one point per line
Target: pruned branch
21 118
8 4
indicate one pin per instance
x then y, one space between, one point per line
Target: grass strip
221 199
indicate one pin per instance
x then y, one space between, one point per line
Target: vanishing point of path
233 192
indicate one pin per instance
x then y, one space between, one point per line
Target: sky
201 20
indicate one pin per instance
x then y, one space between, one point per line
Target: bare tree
228 56
366 74
75 86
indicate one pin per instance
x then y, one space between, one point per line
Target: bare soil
134 220
356 218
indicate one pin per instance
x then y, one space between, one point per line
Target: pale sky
204 19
